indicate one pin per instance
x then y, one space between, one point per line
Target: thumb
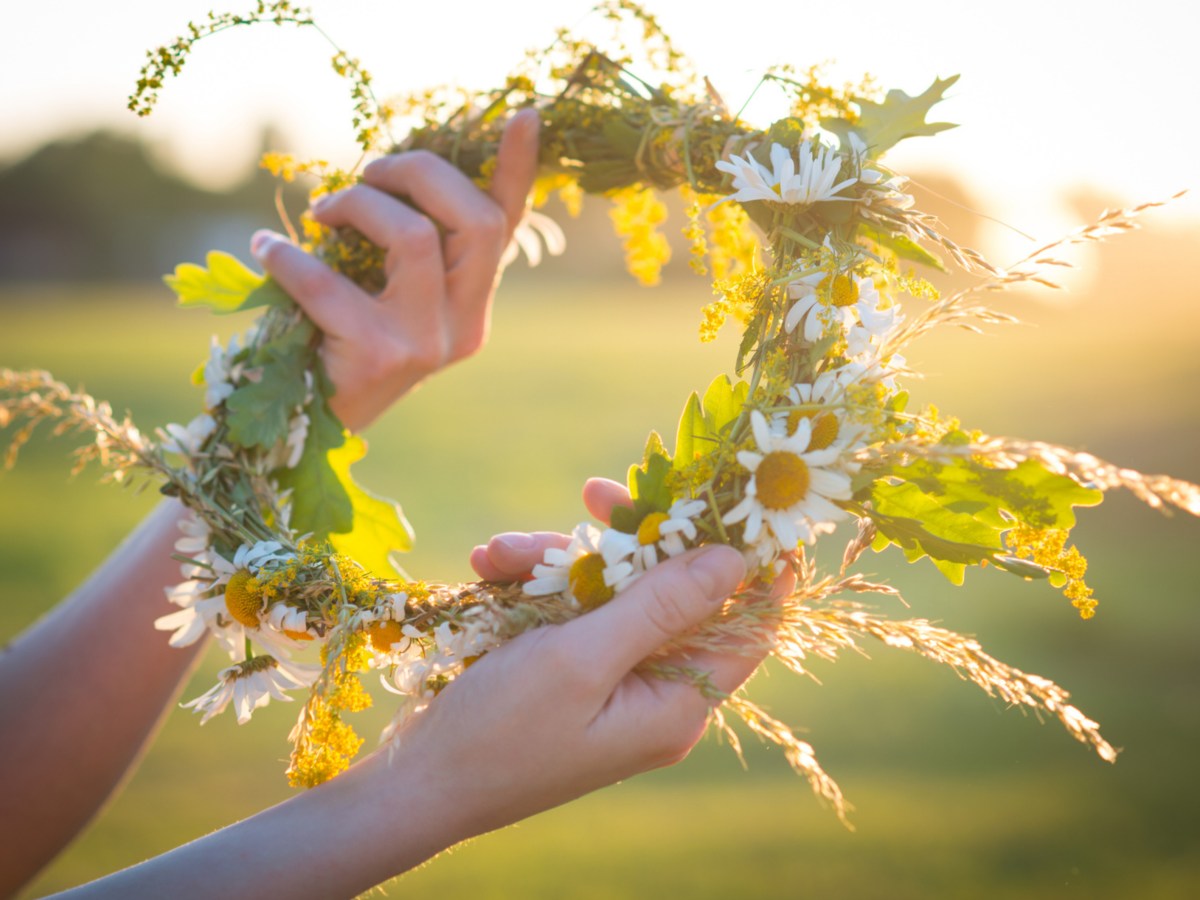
667 601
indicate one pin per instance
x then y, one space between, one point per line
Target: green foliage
320 502
704 423
259 410
378 527
883 125
956 513
226 286
647 487
903 247
330 505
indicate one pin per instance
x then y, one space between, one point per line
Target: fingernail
720 569
515 541
261 240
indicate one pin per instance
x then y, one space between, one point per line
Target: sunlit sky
1054 94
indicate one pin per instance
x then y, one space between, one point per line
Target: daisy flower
290 622
579 572
454 647
199 615
230 612
289 452
812 181
196 534
535 229
187 440
383 627
659 532
251 684
882 186
220 372
790 491
829 426
837 303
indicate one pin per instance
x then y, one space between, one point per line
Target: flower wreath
807 235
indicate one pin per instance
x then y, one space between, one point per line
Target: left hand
444 239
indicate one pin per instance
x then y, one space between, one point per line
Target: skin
434 310
556 713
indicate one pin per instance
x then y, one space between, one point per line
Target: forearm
367 825
80 694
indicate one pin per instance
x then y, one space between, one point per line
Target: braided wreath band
809 238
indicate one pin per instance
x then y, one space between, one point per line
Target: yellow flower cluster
739 296
1048 548
565 186
327 748
734 248
636 215
329 743
694 232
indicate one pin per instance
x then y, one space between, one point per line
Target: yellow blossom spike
1048 548
635 215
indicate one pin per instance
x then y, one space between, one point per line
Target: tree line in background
99 207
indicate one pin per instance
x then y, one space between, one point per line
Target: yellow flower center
650 531
586 580
824 431
383 634
825 427
843 291
243 598
782 480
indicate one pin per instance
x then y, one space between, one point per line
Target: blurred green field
955 796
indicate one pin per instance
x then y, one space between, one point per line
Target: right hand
444 248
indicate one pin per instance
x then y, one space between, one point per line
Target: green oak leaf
883 125
328 504
259 410
226 286
956 513
647 487
379 527
320 503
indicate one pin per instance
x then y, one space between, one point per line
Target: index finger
516 165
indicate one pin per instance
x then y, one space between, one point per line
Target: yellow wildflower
1048 548
635 215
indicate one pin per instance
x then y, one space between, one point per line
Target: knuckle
669 609
491 221
425 354
315 281
418 236
421 161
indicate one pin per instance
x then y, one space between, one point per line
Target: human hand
564 710
436 306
